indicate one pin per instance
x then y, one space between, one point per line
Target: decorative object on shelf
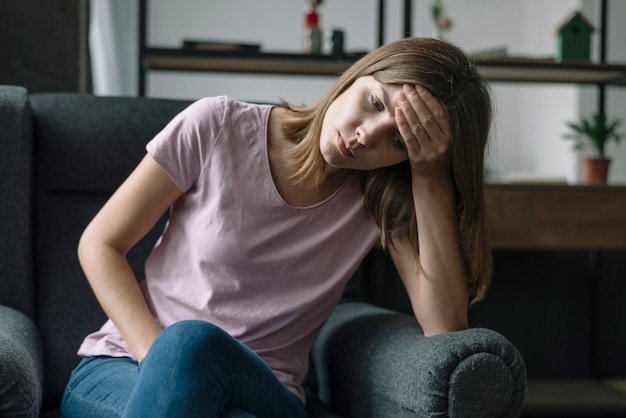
311 32
573 39
443 23
337 41
594 134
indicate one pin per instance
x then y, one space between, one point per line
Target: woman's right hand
126 218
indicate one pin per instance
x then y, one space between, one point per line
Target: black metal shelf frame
511 70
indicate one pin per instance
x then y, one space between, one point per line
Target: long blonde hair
451 77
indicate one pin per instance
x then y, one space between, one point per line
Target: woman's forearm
442 275
435 278
119 294
124 220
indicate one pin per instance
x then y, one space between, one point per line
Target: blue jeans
193 369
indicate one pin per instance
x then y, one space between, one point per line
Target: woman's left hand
425 128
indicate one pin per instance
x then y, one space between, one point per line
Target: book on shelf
489 54
529 177
502 54
207 45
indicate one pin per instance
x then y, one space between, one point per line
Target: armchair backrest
83 147
16 142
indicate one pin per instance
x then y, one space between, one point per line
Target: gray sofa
62 155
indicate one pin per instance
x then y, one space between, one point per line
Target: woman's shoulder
220 111
230 104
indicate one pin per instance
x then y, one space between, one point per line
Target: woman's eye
398 142
376 103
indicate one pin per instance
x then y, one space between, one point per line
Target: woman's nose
368 133
365 137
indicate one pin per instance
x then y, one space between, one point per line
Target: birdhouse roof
575 15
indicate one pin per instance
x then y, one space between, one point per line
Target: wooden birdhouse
573 39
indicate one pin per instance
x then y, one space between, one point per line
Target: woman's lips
343 149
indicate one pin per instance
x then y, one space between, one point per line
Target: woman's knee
189 340
192 353
190 345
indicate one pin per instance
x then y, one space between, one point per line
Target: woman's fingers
424 117
424 126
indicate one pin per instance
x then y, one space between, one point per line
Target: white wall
275 24
530 118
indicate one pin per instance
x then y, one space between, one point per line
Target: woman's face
359 130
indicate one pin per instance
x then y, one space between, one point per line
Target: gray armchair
62 155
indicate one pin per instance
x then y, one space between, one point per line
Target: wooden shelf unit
237 62
557 217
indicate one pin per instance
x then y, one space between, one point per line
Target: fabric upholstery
85 143
15 211
373 362
21 367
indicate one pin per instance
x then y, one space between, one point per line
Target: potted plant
593 134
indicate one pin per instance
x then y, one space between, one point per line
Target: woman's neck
298 194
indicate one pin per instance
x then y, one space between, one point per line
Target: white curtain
113 43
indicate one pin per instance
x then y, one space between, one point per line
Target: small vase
595 170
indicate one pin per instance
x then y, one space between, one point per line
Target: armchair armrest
21 365
372 362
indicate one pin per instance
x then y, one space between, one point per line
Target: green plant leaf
594 133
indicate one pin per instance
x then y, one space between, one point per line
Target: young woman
271 211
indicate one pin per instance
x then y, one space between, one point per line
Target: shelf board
227 61
547 71
574 397
500 69
556 217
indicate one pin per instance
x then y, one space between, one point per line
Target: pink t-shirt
234 253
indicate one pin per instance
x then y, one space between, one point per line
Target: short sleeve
183 147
